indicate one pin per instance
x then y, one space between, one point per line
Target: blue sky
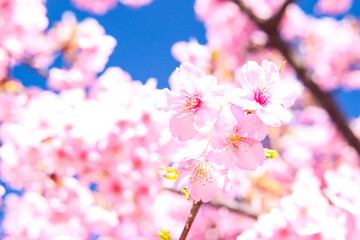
145 36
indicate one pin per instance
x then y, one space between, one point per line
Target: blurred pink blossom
97 6
333 7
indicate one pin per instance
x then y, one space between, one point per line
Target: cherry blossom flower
192 103
263 92
236 138
201 177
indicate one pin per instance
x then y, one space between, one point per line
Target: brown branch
249 13
323 98
270 24
194 210
274 21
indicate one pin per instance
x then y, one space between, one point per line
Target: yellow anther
282 65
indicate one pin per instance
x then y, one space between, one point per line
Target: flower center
262 96
235 138
193 103
201 173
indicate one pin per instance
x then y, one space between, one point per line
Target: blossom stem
194 210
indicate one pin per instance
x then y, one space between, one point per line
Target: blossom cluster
82 158
233 120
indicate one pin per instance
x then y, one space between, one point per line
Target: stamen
193 103
235 138
262 96
201 173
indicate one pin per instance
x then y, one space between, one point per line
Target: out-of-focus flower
86 48
343 188
103 6
333 7
97 6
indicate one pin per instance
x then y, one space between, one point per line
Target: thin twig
325 99
194 210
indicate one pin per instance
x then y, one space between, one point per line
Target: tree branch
194 210
274 21
323 98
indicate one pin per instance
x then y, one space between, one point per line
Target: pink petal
205 115
207 84
202 191
247 104
226 120
182 128
237 112
192 71
268 118
250 156
251 76
182 179
164 99
254 127
271 72
182 80
286 93
283 114
188 77
225 157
